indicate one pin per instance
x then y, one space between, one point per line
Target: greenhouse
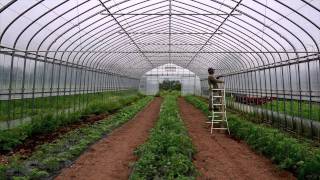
159 89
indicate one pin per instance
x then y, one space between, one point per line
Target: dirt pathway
220 157
112 156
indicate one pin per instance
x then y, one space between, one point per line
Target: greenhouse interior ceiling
115 35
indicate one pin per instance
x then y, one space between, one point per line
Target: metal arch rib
170 15
7 5
214 32
102 52
115 19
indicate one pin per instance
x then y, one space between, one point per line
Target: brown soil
113 156
26 149
220 157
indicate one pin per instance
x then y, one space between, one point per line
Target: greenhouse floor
218 155
221 157
112 156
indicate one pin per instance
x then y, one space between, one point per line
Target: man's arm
214 80
218 77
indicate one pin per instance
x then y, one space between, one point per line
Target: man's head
210 71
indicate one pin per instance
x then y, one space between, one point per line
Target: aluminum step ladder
218 101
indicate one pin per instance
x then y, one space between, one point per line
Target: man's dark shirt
213 82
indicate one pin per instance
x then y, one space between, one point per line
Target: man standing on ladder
217 104
213 84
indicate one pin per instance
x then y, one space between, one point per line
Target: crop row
288 152
28 107
49 122
50 158
168 152
295 108
304 109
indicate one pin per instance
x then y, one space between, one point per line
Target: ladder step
220 128
220 116
216 121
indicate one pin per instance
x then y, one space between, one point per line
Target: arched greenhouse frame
65 59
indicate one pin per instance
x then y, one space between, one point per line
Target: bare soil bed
113 156
221 157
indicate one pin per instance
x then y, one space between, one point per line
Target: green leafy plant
51 121
295 108
288 152
20 108
291 107
49 158
168 152
170 85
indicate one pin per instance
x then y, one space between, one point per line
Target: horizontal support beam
173 44
170 74
177 52
170 14
168 56
149 33
67 64
304 59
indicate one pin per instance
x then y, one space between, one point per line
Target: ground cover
168 152
112 157
288 152
49 158
219 156
294 108
20 108
50 122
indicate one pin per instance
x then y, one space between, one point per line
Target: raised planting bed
28 107
112 156
51 122
303 109
295 108
49 158
287 152
168 152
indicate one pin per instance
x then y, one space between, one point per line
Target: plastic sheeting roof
131 37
